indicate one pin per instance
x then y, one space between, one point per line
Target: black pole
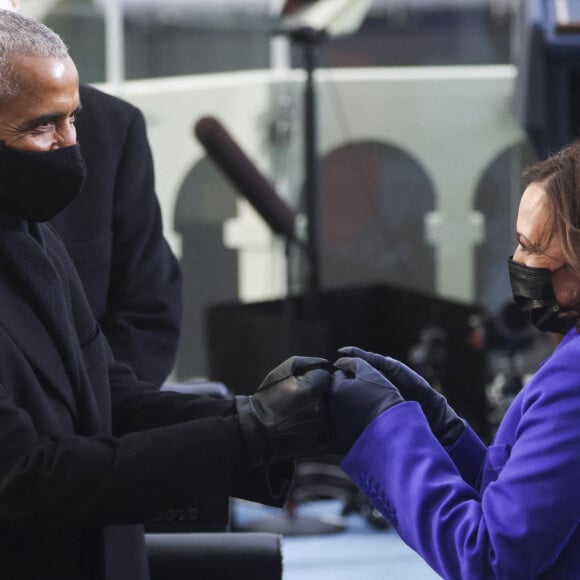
310 40
311 176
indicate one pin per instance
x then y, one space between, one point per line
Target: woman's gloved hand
287 417
359 394
444 422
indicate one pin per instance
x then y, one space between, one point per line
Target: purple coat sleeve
522 519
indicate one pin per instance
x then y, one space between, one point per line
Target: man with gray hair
87 451
113 232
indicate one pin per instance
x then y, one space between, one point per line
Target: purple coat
509 511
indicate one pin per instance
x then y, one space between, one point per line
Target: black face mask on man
35 186
533 292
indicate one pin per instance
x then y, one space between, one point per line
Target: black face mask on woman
35 186
533 292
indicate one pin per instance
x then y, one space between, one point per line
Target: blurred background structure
425 113
424 120
419 153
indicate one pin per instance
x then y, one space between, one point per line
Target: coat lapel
33 313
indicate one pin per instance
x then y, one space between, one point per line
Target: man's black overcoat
113 232
86 450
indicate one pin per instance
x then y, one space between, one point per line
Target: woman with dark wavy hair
510 510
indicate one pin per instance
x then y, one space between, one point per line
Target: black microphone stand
309 250
310 40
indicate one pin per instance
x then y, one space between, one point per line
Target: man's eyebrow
49 118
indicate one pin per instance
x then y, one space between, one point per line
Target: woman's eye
523 249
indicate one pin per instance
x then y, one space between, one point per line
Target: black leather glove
287 417
359 394
444 422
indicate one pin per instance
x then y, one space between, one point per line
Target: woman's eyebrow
522 241
538 247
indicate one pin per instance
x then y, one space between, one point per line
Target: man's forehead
55 67
43 86
44 75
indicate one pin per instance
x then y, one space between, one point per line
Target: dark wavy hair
559 175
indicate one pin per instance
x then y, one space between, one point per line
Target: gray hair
21 36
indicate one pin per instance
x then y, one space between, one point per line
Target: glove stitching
299 412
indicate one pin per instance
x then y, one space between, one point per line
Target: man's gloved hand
287 417
359 394
444 422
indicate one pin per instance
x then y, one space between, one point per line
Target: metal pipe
114 44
